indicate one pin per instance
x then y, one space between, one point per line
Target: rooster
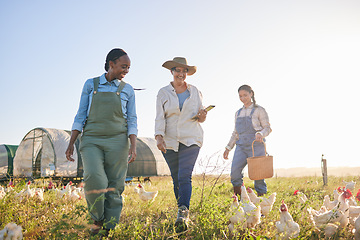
302 196
146 196
253 213
11 232
287 228
349 185
266 204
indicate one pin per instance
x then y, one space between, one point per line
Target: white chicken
27 192
11 232
237 215
287 227
330 229
330 204
2 192
266 204
332 216
349 185
39 194
146 196
354 212
357 228
252 212
301 195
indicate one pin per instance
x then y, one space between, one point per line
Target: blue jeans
181 165
242 152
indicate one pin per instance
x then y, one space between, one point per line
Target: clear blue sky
301 57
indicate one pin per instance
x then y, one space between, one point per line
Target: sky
301 58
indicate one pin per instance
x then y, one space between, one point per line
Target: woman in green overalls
107 120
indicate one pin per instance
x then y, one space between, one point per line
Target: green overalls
104 149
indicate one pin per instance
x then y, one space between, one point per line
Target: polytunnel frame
47 134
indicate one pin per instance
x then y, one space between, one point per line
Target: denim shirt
127 103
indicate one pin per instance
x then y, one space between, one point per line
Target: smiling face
179 74
245 97
119 68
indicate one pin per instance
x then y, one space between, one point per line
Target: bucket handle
252 145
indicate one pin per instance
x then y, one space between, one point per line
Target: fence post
324 169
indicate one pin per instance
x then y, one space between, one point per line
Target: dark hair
113 55
248 89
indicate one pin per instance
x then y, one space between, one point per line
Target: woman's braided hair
248 89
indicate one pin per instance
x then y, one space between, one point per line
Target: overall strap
120 88
96 84
239 112
252 111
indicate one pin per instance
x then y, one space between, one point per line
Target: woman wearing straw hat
107 119
251 123
178 134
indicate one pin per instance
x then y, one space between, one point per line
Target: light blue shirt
127 103
182 97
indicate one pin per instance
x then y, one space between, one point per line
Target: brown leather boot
237 191
96 227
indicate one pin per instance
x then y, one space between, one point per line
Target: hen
287 228
11 232
301 195
2 192
349 185
237 215
266 204
330 204
146 196
252 212
357 228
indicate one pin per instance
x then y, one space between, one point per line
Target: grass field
61 219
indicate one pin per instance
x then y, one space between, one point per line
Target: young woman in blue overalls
251 123
107 120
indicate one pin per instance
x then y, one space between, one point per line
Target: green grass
211 197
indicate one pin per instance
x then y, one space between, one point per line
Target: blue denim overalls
243 150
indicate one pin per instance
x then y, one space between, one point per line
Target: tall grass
60 219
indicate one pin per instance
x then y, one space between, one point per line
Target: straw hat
179 62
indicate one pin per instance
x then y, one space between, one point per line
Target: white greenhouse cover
3 161
52 144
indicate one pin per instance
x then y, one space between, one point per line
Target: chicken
27 192
39 194
50 185
349 185
11 232
2 192
354 212
287 228
331 216
252 212
330 229
265 203
357 228
330 204
302 196
237 215
146 196
75 195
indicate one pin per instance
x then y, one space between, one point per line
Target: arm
70 149
264 123
160 124
132 150
132 125
234 137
